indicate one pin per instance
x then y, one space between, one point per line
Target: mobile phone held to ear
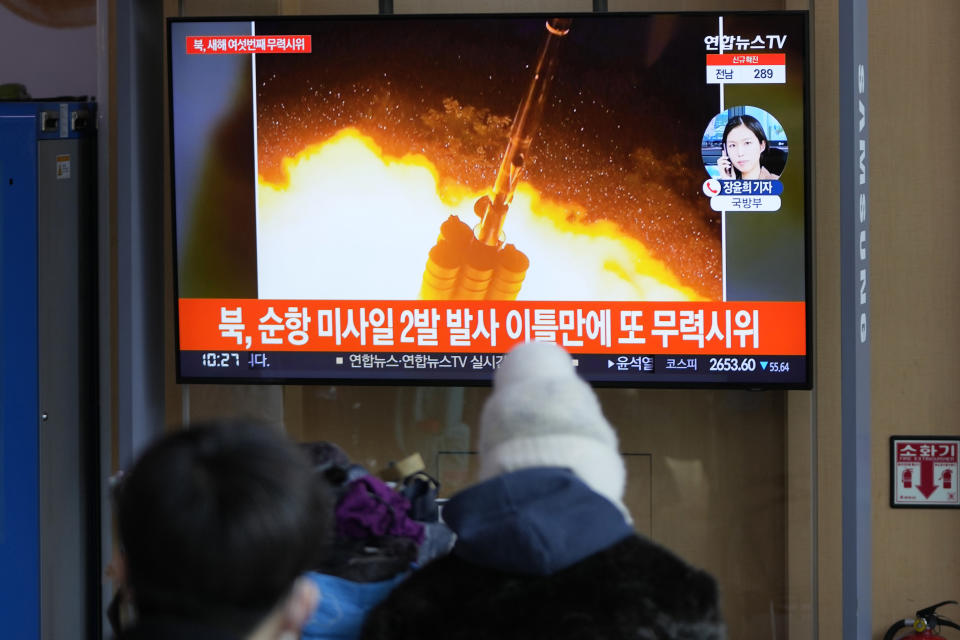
726 167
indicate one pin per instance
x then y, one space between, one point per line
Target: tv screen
401 199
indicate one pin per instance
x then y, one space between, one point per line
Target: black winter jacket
169 629
520 570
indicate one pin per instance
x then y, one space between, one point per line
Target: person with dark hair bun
743 150
215 524
375 546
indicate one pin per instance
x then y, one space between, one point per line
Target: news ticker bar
479 367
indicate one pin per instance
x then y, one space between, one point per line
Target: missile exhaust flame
353 223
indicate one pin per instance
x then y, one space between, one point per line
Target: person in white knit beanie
544 548
542 414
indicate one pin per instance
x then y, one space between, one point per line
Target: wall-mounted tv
400 199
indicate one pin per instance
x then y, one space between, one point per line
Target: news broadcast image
402 199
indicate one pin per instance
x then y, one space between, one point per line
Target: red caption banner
727 59
215 45
762 328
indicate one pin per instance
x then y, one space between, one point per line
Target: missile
477 264
492 209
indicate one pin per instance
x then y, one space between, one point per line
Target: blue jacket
533 521
344 605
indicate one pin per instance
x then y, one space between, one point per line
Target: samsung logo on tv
862 197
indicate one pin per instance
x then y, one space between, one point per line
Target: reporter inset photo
744 143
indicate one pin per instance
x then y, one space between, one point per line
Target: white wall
50 62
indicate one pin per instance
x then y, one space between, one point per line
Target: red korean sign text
924 471
217 45
492 327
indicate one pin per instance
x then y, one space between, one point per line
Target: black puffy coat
541 556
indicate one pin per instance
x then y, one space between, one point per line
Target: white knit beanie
541 414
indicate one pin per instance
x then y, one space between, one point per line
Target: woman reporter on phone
743 151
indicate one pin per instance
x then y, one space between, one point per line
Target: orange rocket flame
351 222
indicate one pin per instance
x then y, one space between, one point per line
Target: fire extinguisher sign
924 471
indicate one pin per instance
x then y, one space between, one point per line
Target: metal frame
854 323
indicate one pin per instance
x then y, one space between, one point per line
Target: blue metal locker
46 201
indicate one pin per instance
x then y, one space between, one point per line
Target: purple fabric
371 509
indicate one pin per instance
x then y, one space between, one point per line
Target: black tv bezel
807 384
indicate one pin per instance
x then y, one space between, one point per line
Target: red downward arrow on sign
926 486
